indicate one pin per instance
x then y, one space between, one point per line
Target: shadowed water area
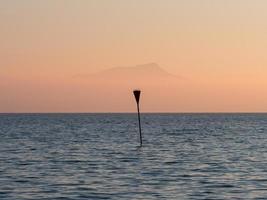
96 156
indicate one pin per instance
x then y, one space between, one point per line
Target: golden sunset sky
54 53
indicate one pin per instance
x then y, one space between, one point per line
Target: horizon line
262 112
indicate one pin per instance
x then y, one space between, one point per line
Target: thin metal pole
140 131
137 94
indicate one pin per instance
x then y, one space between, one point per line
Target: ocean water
97 156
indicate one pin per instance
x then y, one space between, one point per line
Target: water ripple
96 156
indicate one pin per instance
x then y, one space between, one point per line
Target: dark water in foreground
95 156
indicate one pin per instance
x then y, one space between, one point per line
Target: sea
98 156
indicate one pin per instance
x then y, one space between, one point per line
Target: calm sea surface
96 156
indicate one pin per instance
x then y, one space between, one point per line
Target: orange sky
217 47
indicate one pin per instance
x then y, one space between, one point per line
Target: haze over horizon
87 56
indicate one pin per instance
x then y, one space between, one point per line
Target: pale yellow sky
218 46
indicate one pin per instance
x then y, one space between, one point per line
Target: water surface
96 156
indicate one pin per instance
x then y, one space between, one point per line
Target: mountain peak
149 72
143 70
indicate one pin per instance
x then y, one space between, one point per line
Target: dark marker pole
137 98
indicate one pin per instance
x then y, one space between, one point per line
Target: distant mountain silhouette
145 70
149 70
112 88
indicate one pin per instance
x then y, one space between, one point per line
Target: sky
49 49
